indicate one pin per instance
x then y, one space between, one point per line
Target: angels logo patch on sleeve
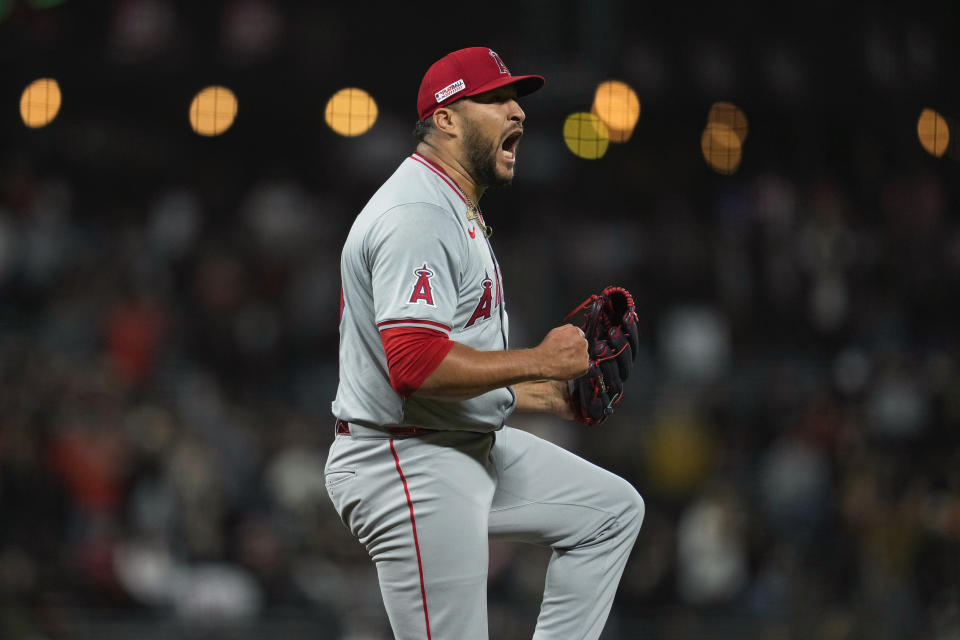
422 293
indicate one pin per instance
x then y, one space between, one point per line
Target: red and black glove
610 327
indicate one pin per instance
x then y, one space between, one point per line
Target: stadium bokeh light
350 112
617 104
721 148
40 102
213 110
586 135
933 131
729 115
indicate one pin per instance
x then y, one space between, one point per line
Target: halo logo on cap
496 58
450 89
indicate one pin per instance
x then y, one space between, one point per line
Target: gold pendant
473 214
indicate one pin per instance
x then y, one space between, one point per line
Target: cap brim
525 85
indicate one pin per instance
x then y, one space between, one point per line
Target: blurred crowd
168 314
166 380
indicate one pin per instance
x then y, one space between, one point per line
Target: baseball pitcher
423 470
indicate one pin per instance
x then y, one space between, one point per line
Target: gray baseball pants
425 506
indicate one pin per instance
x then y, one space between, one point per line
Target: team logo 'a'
421 289
486 302
496 58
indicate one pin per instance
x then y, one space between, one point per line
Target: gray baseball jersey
424 506
414 259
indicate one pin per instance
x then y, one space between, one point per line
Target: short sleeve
414 252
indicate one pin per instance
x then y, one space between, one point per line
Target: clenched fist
563 353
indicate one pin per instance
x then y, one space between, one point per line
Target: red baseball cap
465 73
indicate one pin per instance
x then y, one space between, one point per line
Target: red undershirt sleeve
412 355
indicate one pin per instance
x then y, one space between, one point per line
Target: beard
482 158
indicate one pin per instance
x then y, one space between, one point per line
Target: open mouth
510 143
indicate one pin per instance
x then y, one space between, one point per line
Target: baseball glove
610 326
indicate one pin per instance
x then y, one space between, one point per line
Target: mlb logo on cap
468 72
449 90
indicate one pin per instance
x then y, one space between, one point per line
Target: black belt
342 428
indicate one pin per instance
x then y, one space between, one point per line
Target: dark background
168 310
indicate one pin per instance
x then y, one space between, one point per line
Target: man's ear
445 120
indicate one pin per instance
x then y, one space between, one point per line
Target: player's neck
453 168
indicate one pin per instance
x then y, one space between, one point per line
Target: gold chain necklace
474 213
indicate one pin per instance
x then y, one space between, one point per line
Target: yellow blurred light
586 135
730 115
722 137
619 107
351 112
40 102
933 131
678 453
721 148
212 111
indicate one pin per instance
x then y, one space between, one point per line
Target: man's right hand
466 372
564 353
